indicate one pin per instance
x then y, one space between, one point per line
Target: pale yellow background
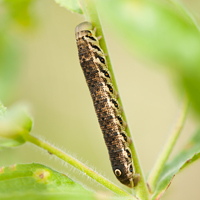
53 83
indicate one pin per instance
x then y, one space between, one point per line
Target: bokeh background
50 79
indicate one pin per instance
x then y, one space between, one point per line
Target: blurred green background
50 79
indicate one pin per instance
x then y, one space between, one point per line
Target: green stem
91 15
155 173
78 165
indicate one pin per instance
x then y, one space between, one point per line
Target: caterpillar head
85 29
125 174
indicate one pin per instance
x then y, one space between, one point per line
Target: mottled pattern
93 63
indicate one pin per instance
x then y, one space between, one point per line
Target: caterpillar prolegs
108 110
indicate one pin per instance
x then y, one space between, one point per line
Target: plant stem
91 15
78 165
155 173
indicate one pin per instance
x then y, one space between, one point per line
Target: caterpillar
94 65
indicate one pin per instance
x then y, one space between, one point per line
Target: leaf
188 155
16 122
72 5
160 32
191 160
31 181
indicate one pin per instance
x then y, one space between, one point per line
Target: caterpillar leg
129 140
99 37
136 179
116 94
125 124
94 30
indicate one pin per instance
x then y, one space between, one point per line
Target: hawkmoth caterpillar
108 110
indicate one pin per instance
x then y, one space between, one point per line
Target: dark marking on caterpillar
101 59
106 73
110 88
108 110
128 153
124 136
115 103
92 38
95 47
120 120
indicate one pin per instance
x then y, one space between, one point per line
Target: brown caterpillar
108 110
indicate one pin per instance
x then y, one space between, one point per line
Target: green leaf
191 160
188 155
14 125
160 32
72 5
28 181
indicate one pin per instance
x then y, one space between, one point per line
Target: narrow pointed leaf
187 156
